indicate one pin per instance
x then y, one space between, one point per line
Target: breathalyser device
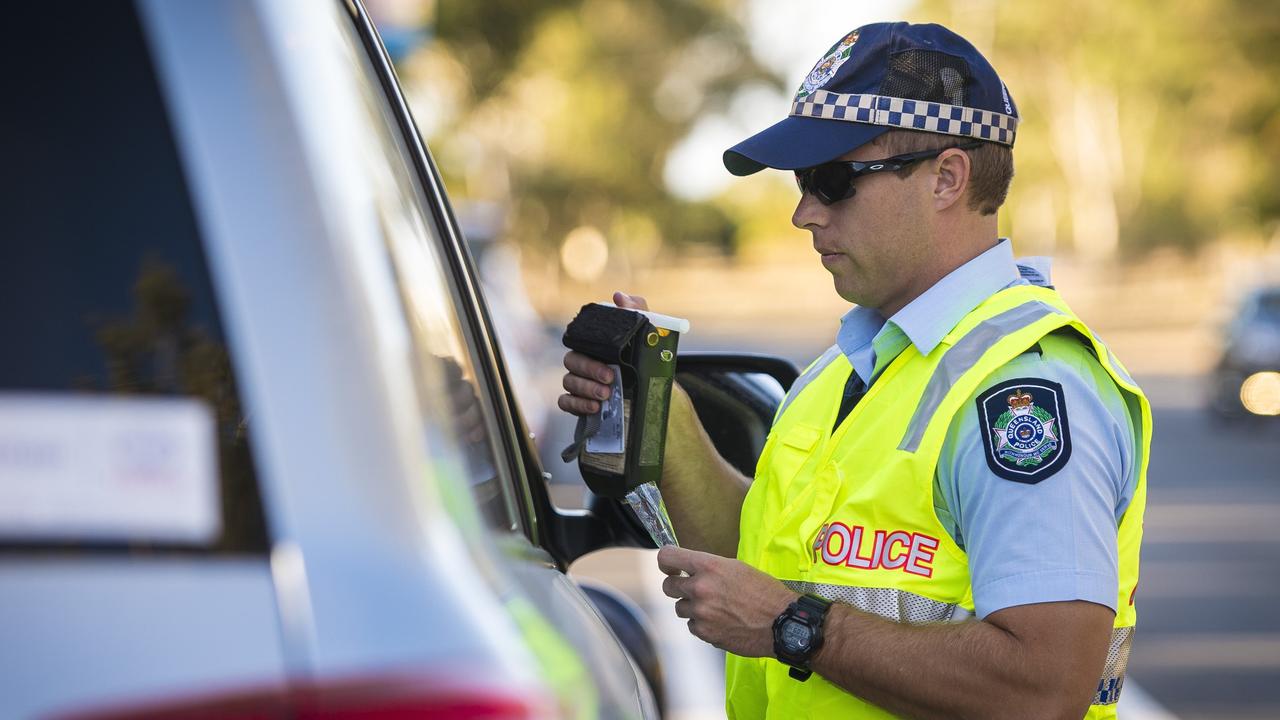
620 449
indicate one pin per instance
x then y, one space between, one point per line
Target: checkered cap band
909 115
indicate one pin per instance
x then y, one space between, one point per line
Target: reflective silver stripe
1139 426
960 359
896 605
814 370
1115 364
1117 662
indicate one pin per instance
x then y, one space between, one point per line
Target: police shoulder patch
1024 429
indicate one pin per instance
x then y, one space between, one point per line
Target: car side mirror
632 627
736 396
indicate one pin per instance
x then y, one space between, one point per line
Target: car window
121 425
452 396
1269 308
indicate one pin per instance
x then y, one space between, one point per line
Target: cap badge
828 65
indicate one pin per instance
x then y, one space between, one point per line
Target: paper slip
611 435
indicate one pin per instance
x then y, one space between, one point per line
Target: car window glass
1269 308
452 396
107 310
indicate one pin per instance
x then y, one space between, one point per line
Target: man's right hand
589 381
703 492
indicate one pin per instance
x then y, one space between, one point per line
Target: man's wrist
834 627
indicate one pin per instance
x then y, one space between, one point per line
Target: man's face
872 242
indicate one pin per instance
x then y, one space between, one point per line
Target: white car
259 455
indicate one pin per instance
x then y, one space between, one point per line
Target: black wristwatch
797 634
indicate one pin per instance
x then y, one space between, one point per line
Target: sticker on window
107 469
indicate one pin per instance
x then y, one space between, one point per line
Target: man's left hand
728 603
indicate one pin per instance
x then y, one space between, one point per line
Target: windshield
1268 308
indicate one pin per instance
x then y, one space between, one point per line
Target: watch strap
798 674
816 606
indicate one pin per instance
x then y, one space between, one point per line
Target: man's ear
951 178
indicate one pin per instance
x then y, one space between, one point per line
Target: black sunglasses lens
832 182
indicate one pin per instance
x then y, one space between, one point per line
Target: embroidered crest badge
826 68
1025 431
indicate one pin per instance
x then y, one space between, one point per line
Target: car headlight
1260 393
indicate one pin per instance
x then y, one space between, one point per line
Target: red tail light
394 698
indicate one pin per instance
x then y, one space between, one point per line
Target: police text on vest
840 544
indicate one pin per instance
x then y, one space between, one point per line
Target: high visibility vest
849 515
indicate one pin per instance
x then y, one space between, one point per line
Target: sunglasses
832 182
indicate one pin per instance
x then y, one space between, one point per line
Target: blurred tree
566 109
159 350
1144 124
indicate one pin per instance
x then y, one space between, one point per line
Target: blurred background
580 141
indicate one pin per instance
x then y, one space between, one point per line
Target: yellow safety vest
849 515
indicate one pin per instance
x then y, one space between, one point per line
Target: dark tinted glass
832 181
1269 307
104 287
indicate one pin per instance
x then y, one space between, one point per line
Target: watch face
795 637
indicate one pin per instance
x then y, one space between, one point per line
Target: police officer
946 516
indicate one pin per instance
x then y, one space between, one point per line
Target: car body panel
83 632
309 306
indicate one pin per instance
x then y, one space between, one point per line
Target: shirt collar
928 318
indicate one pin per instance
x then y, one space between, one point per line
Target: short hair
991 164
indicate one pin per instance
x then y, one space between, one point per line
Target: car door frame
557 537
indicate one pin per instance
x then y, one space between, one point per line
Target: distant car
259 451
1246 380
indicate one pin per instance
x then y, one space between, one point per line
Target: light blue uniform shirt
1051 541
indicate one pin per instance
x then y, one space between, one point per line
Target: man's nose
809 212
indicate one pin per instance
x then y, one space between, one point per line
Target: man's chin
850 295
848 288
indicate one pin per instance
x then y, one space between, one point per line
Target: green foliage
567 109
1144 124
1163 118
